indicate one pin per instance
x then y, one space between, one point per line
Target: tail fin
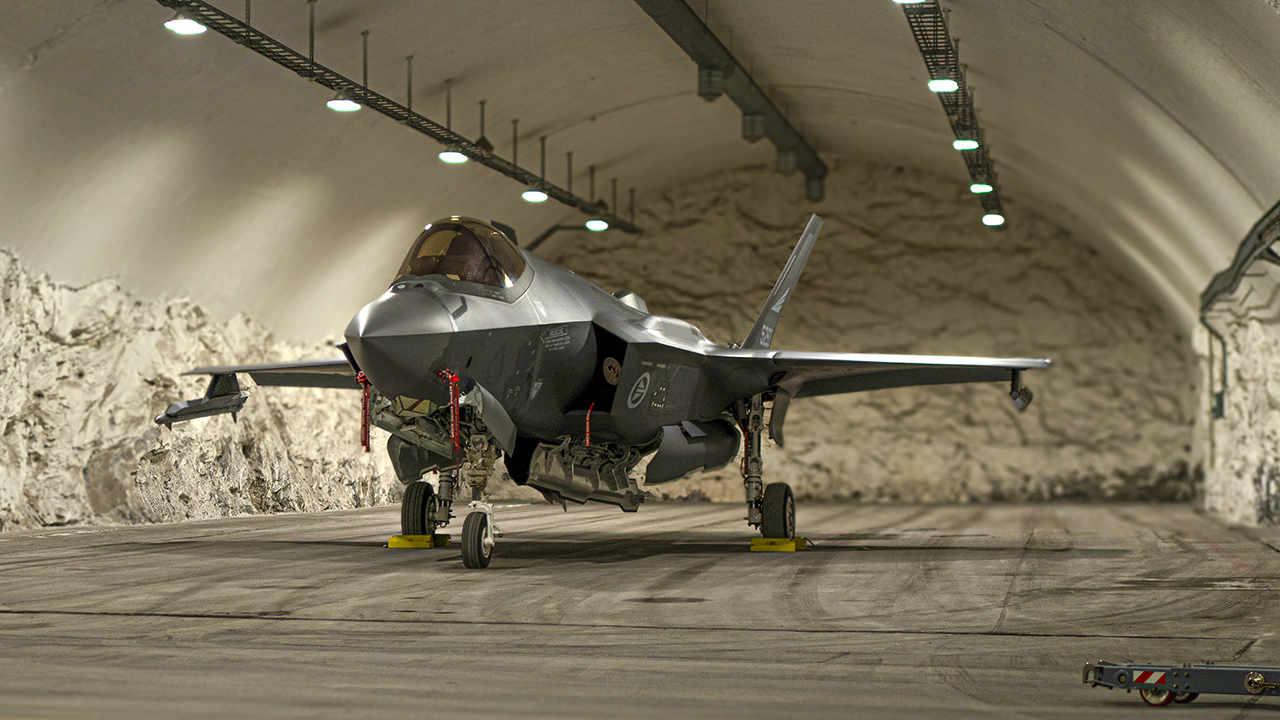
761 335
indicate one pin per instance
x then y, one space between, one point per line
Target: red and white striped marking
1150 676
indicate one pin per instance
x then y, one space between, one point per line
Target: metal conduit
941 56
242 34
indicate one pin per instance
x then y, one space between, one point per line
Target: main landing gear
423 508
426 508
772 507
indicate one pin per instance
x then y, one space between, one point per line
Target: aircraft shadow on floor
544 548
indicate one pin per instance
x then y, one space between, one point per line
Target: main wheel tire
474 552
778 512
413 509
1156 698
1185 697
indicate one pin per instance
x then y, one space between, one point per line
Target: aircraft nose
399 341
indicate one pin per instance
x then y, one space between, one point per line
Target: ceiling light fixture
184 25
597 225
965 144
452 156
944 85
980 188
993 219
908 2
342 103
534 195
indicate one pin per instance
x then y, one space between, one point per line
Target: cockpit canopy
465 249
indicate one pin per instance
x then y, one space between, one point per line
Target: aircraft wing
808 374
336 373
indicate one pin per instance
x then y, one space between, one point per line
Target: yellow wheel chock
778 544
439 540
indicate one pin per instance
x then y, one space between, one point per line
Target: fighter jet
479 351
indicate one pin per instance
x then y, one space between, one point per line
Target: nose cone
399 340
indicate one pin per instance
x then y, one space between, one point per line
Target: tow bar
1161 684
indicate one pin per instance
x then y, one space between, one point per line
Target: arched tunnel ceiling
190 165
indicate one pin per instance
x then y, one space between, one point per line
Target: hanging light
944 85
993 219
342 103
452 156
597 225
534 195
965 144
979 188
184 25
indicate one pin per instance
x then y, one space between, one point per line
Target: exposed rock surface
1243 481
903 265
86 369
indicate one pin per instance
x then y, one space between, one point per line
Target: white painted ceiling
191 166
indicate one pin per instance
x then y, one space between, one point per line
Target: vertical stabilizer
761 335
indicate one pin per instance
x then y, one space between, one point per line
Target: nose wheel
478 536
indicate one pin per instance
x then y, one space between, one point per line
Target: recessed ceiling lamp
534 195
980 188
184 25
908 2
342 103
944 85
993 219
452 156
597 225
965 144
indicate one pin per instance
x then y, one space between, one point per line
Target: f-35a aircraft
479 351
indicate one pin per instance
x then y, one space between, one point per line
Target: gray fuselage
542 349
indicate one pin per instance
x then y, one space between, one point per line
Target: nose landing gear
478 536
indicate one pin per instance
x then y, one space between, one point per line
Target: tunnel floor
955 611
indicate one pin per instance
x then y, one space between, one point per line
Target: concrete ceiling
189 165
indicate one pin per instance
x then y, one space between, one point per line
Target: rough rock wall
903 265
1243 480
86 369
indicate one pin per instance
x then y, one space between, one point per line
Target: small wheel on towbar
477 541
1185 697
1156 698
778 512
414 509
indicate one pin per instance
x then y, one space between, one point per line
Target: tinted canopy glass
465 249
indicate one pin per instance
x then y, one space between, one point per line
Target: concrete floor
898 612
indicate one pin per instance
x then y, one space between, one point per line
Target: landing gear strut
770 508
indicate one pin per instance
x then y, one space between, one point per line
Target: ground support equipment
778 544
1161 684
437 540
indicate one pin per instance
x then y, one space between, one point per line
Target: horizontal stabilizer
223 396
